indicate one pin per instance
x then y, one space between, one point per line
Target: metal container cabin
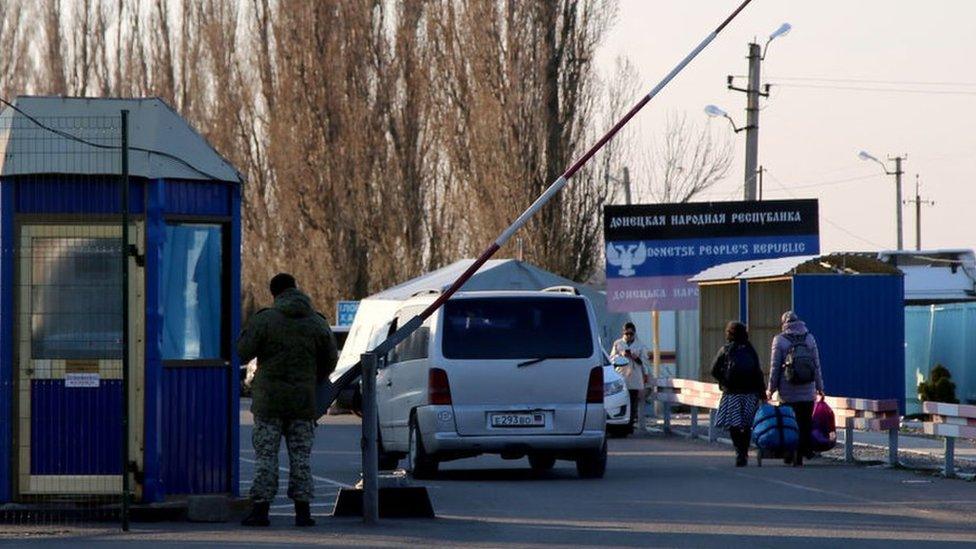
853 305
185 202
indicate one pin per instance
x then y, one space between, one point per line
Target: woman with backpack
740 376
795 373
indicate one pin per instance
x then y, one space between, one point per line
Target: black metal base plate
395 502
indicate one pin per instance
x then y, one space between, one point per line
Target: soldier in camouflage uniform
295 350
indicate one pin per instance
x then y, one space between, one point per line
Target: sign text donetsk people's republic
653 249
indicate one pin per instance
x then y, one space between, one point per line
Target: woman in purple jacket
795 373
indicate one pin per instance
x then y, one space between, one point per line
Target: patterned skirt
736 410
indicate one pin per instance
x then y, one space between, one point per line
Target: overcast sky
810 136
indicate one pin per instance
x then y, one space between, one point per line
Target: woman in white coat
636 372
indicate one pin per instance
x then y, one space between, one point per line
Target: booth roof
803 264
163 144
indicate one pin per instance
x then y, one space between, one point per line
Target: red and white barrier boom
404 331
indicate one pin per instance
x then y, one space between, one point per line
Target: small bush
939 387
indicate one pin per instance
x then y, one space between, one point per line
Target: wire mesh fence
67 286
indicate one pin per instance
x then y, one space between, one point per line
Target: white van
514 373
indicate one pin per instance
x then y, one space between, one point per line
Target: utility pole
625 181
753 93
898 173
864 155
918 213
627 185
752 121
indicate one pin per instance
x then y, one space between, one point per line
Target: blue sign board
652 250
346 312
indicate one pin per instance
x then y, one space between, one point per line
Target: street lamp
783 30
714 111
866 156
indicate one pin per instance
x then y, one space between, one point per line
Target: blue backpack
774 428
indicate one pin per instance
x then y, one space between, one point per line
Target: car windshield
516 328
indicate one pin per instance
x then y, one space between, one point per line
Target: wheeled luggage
775 432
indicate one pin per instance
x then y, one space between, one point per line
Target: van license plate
518 420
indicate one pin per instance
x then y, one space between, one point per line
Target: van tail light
438 389
594 389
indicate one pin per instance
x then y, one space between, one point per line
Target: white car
616 400
513 373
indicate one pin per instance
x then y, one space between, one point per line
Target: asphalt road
659 492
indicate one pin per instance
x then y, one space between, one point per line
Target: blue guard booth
852 304
61 303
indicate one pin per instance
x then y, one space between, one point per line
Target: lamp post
864 155
757 54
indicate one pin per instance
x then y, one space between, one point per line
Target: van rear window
516 328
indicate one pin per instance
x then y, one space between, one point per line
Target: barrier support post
370 455
651 403
893 447
849 440
693 431
950 457
712 430
667 417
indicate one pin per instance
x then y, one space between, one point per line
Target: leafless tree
16 63
685 161
522 96
73 50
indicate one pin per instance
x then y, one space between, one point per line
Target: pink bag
823 436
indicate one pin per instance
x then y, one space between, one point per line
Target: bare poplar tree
16 63
523 95
73 50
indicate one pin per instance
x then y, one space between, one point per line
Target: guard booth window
191 292
76 298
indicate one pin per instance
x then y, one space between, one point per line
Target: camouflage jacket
295 349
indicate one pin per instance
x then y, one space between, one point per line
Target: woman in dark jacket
740 376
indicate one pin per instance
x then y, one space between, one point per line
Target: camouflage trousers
266 437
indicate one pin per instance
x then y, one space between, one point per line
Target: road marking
290 505
318 452
800 487
667 453
651 526
315 477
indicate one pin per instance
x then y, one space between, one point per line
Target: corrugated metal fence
940 334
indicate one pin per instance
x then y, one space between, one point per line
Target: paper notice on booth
81 380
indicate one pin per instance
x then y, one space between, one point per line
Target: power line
71 137
869 81
825 218
892 90
836 181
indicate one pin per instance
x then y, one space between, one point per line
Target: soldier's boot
258 515
303 514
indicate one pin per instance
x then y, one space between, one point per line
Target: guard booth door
69 358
